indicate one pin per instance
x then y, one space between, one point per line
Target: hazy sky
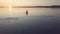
31 2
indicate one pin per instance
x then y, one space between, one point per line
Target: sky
30 2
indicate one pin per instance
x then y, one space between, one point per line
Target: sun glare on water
10 9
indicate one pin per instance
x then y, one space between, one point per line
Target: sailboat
26 12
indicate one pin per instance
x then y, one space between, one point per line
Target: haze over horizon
29 2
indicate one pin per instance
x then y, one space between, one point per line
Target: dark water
44 21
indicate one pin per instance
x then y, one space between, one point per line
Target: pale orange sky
29 2
22 4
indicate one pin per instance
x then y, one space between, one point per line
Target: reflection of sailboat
26 12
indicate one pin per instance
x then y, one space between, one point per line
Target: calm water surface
38 21
18 12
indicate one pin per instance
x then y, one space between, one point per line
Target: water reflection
39 21
18 12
